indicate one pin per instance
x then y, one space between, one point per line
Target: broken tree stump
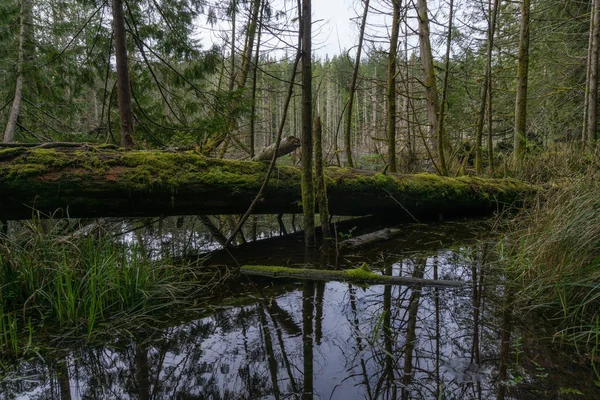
287 145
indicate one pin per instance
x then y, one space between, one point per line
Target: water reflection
308 341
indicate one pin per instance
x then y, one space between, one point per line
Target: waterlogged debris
363 274
371 238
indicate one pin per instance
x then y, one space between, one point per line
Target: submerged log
83 183
356 275
370 238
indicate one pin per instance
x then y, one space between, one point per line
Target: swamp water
264 339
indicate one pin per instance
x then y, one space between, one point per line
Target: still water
302 340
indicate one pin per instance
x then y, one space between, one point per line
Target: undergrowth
554 259
50 282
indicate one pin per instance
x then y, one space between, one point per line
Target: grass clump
555 259
51 283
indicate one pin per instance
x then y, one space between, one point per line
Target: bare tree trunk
321 187
441 130
587 80
123 83
433 108
522 74
308 189
484 90
11 124
391 87
347 141
232 58
254 84
490 142
248 49
592 111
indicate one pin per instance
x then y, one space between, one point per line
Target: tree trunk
592 111
431 93
522 74
11 124
123 83
490 142
320 178
391 87
484 91
347 127
248 49
308 189
254 85
441 129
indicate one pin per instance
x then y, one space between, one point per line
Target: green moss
361 273
10 153
270 269
16 171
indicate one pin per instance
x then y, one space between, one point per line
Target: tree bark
123 83
484 92
490 142
116 183
431 93
308 189
248 48
441 129
348 125
391 87
320 178
520 140
11 124
254 86
592 110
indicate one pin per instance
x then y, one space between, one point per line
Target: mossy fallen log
357 275
91 182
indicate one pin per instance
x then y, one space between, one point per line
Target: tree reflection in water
321 341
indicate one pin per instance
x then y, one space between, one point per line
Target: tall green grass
50 282
555 260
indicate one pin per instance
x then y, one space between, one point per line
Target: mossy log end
356 275
92 182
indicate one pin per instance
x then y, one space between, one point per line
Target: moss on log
93 182
362 274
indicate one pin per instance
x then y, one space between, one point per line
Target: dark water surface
304 340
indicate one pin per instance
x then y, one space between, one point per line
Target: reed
555 260
52 282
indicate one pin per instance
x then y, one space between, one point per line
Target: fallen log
370 238
85 183
357 275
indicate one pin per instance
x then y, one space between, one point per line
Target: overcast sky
334 31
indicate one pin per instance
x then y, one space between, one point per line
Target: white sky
335 26
333 29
